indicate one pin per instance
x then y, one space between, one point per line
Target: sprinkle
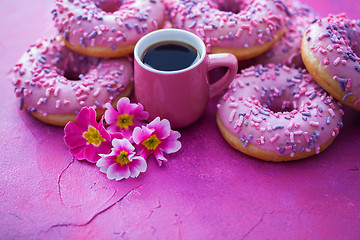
314 124
274 138
306 136
347 95
92 34
277 127
336 61
232 116
263 112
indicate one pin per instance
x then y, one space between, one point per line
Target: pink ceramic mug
180 96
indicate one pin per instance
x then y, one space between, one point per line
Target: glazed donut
246 34
287 49
54 83
106 28
330 50
276 113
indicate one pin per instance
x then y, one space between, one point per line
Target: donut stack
88 63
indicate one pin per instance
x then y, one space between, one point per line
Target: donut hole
277 104
109 6
230 6
73 74
355 40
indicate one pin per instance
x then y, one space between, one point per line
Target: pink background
206 191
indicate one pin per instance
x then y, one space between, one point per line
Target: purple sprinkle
246 143
352 57
128 26
304 118
92 34
255 112
21 103
231 35
138 29
277 127
193 24
347 95
262 111
291 84
282 150
342 87
82 42
342 80
294 147
308 114
357 68
312 96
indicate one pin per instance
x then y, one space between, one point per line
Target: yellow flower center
152 142
124 121
122 158
93 136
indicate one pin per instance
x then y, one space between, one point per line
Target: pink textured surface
206 191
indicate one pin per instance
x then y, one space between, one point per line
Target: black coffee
170 56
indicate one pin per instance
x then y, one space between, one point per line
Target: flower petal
78 153
91 153
111 115
123 144
171 144
123 106
159 157
141 134
162 128
139 112
73 135
86 117
138 163
105 160
115 171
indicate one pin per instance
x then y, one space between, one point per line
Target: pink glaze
110 23
279 109
41 79
287 49
335 42
256 23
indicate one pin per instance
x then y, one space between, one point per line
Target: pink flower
126 118
122 161
156 137
87 138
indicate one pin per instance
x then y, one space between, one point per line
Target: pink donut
287 49
107 28
331 52
246 34
277 113
54 83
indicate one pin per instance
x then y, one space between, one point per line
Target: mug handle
222 60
